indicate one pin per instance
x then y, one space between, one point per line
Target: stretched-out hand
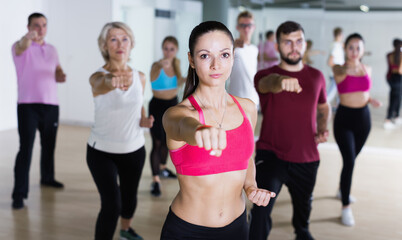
31 35
211 138
122 80
291 85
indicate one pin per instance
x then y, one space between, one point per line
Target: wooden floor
70 214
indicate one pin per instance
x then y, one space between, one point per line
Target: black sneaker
18 203
130 234
54 184
155 189
166 173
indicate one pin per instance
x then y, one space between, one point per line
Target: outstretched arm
276 83
25 42
180 126
103 83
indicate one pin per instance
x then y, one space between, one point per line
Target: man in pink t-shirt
267 54
295 119
38 71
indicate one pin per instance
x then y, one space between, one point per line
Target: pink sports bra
354 84
194 161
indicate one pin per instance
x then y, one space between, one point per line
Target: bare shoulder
142 75
183 109
156 66
248 106
368 69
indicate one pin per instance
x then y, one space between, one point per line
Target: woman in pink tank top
352 120
394 79
210 139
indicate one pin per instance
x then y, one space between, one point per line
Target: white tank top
117 119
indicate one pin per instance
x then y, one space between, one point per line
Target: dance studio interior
73 28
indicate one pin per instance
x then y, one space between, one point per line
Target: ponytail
191 82
176 67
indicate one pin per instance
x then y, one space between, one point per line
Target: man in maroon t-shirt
295 118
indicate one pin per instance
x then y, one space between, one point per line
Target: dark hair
201 29
353 36
337 31
286 28
268 34
35 15
397 50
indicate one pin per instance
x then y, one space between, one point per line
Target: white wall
12 27
377 28
73 27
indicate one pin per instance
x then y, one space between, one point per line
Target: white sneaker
347 217
351 198
398 121
388 125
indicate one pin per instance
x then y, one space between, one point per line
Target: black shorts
176 228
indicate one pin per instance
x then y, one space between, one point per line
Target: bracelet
202 127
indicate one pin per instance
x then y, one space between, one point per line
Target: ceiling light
242 8
364 8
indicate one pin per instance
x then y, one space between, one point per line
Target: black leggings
115 200
395 96
176 228
300 178
31 117
351 129
159 152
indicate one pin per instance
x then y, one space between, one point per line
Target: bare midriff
212 200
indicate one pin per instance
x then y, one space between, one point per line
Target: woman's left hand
147 122
259 197
375 103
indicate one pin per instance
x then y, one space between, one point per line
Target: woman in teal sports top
165 80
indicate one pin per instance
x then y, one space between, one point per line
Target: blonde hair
176 61
104 33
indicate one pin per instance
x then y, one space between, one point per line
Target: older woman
214 165
352 120
116 143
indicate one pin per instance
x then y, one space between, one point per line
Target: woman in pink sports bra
210 139
394 79
352 119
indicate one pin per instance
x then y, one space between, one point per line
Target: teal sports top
164 82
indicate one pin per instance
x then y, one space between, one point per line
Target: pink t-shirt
36 74
268 48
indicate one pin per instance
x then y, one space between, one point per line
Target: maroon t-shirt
289 119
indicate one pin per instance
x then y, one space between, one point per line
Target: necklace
211 113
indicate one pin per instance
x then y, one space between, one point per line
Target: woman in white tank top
116 143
